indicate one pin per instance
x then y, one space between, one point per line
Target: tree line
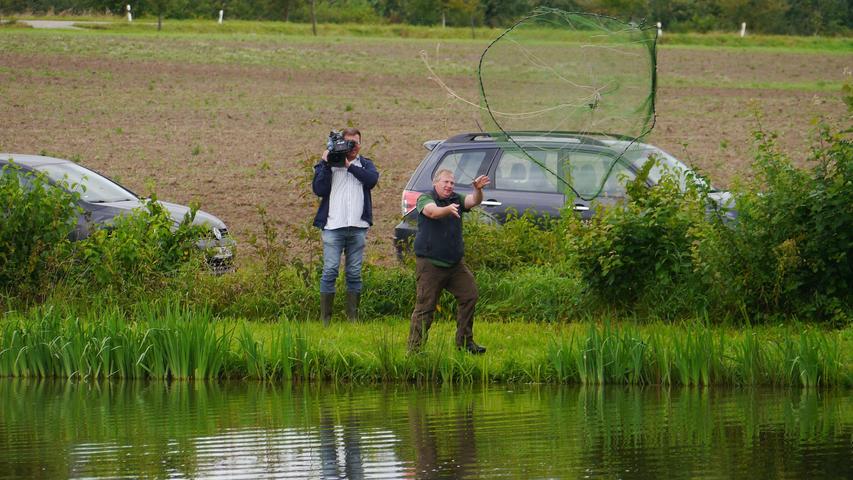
795 17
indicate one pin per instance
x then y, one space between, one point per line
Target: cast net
579 79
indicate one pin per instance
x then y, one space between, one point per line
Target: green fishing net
579 78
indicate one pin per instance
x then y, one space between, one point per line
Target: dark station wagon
600 165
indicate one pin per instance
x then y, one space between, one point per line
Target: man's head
354 135
443 182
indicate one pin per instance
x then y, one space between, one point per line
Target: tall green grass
158 342
166 340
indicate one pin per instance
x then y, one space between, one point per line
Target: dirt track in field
236 136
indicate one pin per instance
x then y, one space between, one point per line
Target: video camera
338 149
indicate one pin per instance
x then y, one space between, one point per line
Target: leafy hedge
36 224
792 249
139 251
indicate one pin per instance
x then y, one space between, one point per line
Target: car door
524 182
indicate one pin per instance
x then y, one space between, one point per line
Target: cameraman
344 215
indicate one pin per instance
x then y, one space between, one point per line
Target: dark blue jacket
322 186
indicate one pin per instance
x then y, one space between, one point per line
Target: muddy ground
241 131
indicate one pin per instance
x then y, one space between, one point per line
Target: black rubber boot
326 302
472 347
353 299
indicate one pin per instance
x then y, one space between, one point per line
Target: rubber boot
326 302
353 299
472 347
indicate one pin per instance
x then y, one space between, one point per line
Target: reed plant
170 341
255 358
560 359
290 350
694 356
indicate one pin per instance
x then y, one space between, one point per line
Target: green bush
139 250
544 293
641 246
790 252
37 222
520 242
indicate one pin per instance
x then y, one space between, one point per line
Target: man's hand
325 155
472 201
480 182
452 209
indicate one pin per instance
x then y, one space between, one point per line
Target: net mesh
555 72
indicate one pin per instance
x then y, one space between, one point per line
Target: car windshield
92 187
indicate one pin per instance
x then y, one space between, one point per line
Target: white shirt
346 203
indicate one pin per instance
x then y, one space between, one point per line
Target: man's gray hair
439 173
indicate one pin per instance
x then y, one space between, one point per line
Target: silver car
102 200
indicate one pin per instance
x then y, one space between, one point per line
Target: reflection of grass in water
180 420
167 341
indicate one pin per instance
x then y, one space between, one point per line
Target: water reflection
340 446
248 430
443 447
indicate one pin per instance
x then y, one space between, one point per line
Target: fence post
221 12
743 29
129 16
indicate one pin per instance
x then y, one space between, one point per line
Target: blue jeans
350 242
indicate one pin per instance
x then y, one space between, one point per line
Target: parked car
519 185
102 200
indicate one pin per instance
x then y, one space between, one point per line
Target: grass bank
163 340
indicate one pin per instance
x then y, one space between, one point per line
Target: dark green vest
441 239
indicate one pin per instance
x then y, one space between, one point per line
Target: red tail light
410 201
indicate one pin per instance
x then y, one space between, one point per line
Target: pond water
249 430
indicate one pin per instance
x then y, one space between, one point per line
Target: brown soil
237 137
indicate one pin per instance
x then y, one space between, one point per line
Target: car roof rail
586 138
431 144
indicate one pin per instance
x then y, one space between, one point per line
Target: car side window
591 171
517 171
465 165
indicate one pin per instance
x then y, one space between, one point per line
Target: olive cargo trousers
431 280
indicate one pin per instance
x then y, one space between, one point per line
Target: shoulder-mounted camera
338 149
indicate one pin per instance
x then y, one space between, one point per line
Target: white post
660 30
221 12
743 29
129 16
